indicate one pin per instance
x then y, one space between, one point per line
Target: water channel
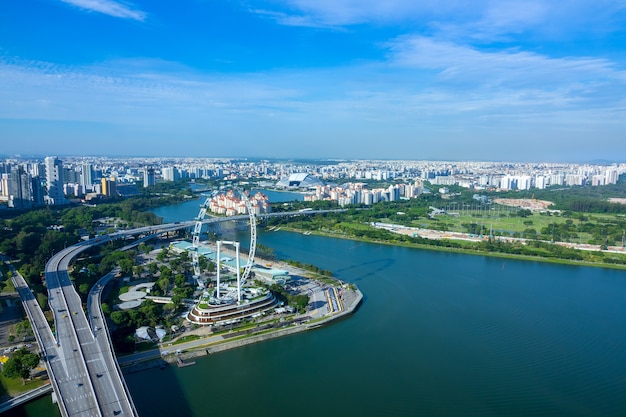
438 334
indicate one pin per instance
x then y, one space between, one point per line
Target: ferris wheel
195 242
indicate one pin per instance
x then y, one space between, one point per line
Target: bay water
438 334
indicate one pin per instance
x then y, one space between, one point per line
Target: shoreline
353 298
460 250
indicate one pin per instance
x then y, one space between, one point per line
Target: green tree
161 256
166 272
176 264
84 288
153 267
163 284
106 309
92 269
20 364
42 299
300 301
180 280
137 270
126 266
145 248
120 317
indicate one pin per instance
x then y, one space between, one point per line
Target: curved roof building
299 180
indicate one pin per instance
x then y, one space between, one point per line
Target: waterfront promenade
209 343
83 371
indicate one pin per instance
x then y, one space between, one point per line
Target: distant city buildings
28 183
358 193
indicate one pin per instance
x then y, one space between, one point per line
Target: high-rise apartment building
149 177
86 175
20 192
54 181
4 185
170 174
109 187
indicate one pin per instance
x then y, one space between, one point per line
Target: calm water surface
438 334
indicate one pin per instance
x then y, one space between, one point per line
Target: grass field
15 387
500 223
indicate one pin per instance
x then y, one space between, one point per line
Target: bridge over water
79 358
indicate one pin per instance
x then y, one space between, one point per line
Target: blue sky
533 80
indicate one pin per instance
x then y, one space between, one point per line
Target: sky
505 80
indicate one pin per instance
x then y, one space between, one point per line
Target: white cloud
426 87
109 7
134 92
467 65
455 19
347 12
291 19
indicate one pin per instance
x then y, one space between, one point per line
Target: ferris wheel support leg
219 267
238 274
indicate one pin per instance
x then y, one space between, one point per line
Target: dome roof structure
299 180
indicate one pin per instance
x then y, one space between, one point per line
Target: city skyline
507 81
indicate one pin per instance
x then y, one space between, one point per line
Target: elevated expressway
80 361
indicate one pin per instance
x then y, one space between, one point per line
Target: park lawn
356 226
604 218
505 224
7 286
184 339
14 387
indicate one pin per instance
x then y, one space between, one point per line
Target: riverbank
465 251
210 343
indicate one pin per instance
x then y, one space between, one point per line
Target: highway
87 379
43 334
79 358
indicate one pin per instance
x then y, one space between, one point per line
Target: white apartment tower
170 174
86 174
54 181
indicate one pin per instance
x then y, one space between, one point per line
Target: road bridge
80 361
26 397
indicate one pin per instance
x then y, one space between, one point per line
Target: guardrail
103 282
70 314
79 247
20 283
26 397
